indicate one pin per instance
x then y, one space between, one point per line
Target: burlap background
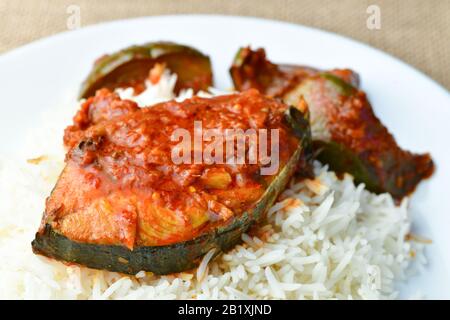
417 31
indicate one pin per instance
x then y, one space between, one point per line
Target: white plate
41 75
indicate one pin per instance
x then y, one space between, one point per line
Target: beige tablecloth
417 31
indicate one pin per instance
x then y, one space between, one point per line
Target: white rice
324 239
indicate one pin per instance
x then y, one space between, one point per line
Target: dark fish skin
130 67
